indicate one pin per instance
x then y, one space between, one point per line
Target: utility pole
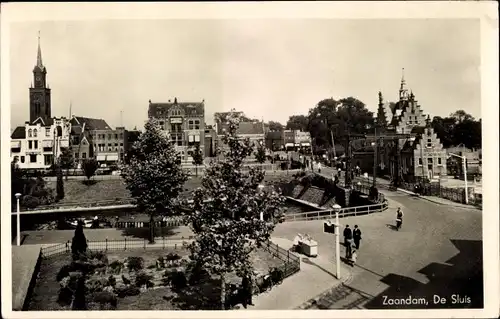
375 159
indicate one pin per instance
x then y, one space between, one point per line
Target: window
194 124
121 156
36 145
419 161
30 144
22 159
76 155
176 127
47 159
176 138
16 159
162 124
429 160
109 136
35 133
121 136
47 132
84 155
30 133
33 158
121 144
439 161
116 136
429 142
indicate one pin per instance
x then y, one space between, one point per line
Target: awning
289 145
15 144
107 157
305 144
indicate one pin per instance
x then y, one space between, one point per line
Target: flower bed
128 280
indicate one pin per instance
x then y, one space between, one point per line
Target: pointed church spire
39 63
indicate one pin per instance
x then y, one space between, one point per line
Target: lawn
76 191
159 297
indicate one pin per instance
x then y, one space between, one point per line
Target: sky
267 68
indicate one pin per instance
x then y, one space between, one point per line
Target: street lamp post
464 163
261 187
336 208
18 224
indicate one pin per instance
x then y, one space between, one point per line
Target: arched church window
30 133
35 133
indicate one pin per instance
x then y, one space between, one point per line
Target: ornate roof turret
403 91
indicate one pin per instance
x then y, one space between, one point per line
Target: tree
66 160
260 154
79 242
60 183
297 122
197 157
444 129
34 191
225 213
330 116
90 166
154 175
275 126
461 116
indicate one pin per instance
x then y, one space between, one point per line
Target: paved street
426 256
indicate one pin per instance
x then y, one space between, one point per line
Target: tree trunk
223 292
151 229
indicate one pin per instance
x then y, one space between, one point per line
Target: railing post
106 244
125 248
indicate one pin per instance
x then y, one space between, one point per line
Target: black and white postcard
250 159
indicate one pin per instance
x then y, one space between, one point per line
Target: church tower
39 93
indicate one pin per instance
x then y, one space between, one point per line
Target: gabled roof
189 108
90 123
44 121
19 133
244 128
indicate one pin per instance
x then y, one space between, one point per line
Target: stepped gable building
421 154
184 122
253 130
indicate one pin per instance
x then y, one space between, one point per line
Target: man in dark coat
247 290
356 235
348 241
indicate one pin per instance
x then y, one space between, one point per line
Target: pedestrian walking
348 241
354 257
356 235
319 167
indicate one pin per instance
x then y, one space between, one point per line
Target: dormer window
429 142
35 133
30 133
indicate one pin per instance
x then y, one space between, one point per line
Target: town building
37 145
275 140
408 147
41 141
110 145
210 141
184 122
253 130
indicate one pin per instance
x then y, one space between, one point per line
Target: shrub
127 291
98 255
79 242
96 285
143 279
151 266
198 274
106 297
135 263
65 296
173 256
112 281
116 266
178 280
64 272
84 267
80 302
277 275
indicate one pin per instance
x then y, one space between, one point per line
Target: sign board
329 227
176 120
